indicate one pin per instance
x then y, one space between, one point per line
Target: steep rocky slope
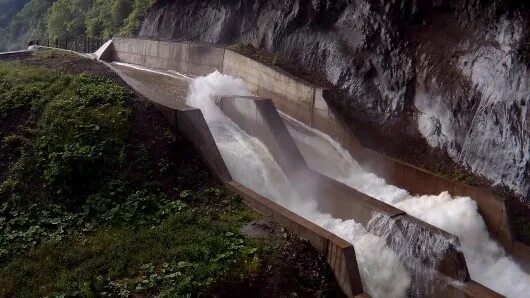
451 74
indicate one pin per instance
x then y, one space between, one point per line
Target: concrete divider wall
259 118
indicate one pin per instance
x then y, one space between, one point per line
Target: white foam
251 164
486 260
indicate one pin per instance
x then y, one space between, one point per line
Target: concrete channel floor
175 86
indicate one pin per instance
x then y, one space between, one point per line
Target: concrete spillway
259 126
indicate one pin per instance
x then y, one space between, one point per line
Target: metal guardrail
82 44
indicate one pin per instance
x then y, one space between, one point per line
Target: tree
40 19
28 23
133 22
8 8
67 18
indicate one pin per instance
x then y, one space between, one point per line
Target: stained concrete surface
176 87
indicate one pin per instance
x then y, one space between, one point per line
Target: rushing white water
251 164
486 260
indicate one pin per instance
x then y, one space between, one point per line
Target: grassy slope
99 197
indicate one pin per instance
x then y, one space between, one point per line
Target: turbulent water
486 260
382 271
251 164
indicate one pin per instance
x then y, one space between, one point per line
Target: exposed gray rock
258 229
456 63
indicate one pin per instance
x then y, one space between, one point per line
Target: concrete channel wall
193 59
294 101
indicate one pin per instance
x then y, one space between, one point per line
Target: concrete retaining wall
194 59
269 82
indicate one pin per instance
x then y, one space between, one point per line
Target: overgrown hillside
99 197
68 19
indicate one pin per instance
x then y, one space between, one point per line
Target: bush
80 135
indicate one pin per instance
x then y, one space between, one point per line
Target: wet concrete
173 86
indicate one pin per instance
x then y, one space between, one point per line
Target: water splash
486 260
421 251
251 164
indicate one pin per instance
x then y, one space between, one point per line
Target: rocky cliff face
455 69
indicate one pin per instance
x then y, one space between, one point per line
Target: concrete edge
28 50
470 289
339 254
105 51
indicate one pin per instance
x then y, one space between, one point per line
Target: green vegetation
70 19
149 244
82 213
9 8
28 23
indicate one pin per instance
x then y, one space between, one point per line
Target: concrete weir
259 117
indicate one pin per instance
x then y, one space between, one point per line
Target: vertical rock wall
454 69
